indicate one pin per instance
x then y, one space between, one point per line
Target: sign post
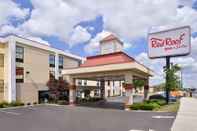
169 43
167 79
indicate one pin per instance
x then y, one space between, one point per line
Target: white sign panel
173 42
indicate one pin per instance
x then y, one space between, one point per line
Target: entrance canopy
107 67
116 66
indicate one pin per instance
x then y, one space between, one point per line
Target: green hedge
5 104
148 105
90 99
159 102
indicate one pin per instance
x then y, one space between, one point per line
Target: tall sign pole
167 79
169 43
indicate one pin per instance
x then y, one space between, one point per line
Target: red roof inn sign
173 42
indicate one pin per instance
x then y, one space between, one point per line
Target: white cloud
38 39
185 2
56 18
127 45
9 9
93 45
155 64
128 19
79 35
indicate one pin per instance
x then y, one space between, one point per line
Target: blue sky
96 23
77 26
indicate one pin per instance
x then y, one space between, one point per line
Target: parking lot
68 118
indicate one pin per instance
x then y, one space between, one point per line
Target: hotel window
19 54
108 83
19 75
61 62
52 60
79 82
85 83
51 75
97 83
120 83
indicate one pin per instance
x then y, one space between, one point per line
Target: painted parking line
141 130
10 112
135 130
163 117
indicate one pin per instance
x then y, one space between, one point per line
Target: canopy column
128 85
102 88
72 89
146 89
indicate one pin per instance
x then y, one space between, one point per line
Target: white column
11 70
72 89
121 89
56 66
129 92
72 96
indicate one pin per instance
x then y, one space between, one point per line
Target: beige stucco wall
1 66
70 63
3 71
36 63
1 76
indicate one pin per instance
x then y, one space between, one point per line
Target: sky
76 26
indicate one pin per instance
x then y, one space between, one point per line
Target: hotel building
26 66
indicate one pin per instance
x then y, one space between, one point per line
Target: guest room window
19 75
52 60
19 54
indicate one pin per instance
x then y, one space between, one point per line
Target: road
68 118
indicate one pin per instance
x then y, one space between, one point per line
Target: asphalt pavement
69 118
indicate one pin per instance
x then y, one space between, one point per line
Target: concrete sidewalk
186 119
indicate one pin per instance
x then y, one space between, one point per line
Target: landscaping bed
11 104
156 105
89 99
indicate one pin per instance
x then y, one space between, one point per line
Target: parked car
162 95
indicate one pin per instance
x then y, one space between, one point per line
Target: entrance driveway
67 118
112 102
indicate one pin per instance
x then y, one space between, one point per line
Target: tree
58 89
173 80
138 83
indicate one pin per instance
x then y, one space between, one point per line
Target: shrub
4 104
136 106
150 106
16 103
147 105
159 102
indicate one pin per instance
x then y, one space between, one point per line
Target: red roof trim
106 59
115 53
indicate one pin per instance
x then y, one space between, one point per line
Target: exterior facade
26 66
114 69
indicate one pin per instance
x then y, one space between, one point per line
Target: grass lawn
172 107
